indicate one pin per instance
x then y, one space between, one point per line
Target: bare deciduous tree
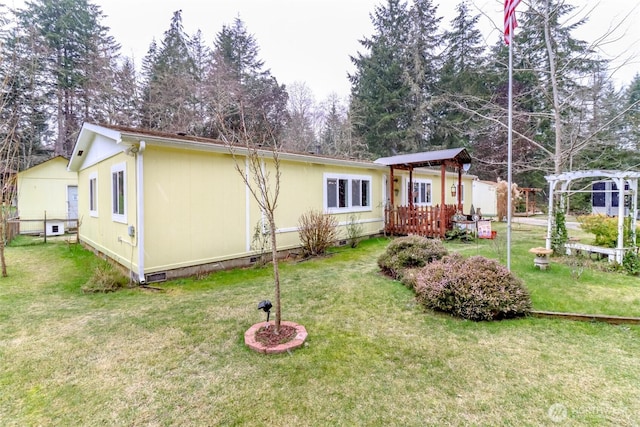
259 169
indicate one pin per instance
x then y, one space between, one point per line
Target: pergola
619 178
455 158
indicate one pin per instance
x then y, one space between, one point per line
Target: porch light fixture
453 190
466 167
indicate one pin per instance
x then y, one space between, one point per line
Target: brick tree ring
297 341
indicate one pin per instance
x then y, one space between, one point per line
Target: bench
613 254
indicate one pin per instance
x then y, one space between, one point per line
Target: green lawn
373 357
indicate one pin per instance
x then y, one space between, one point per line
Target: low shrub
317 231
409 252
605 229
105 278
631 263
354 230
462 234
475 288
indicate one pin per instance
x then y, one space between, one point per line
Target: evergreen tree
202 57
337 137
124 103
631 102
422 68
26 105
379 90
171 79
78 55
464 82
244 97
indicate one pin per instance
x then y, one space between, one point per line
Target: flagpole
509 144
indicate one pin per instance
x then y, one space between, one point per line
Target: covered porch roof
453 156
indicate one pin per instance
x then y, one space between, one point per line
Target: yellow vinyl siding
302 189
102 232
194 208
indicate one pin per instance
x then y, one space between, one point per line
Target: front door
72 202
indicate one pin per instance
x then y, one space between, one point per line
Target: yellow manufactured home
165 205
48 190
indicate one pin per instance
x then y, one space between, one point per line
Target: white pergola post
633 193
620 246
552 185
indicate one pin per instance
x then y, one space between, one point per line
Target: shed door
72 202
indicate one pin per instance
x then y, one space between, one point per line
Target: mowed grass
373 357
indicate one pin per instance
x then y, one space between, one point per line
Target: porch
420 220
417 218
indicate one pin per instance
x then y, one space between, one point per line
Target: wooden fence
420 220
40 227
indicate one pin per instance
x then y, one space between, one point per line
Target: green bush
631 263
605 229
105 278
559 235
463 234
409 252
474 288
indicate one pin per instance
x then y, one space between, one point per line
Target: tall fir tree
379 107
170 82
78 56
464 82
245 98
422 68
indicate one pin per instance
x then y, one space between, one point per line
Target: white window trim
120 167
418 181
93 212
349 208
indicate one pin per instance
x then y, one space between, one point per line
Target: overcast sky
311 40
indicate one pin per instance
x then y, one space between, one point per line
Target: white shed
485 197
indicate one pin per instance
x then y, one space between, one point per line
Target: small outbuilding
48 190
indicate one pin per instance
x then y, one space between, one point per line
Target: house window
93 194
421 192
347 193
118 193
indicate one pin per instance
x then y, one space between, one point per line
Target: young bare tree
260 171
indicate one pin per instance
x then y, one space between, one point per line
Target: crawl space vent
156 277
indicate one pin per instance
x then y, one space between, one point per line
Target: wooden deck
420 220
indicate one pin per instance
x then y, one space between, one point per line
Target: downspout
140 210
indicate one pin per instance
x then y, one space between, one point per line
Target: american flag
510 22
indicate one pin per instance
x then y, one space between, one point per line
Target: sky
311 41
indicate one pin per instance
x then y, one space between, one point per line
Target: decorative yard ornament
266 307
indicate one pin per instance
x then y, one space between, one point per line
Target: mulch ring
267 336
